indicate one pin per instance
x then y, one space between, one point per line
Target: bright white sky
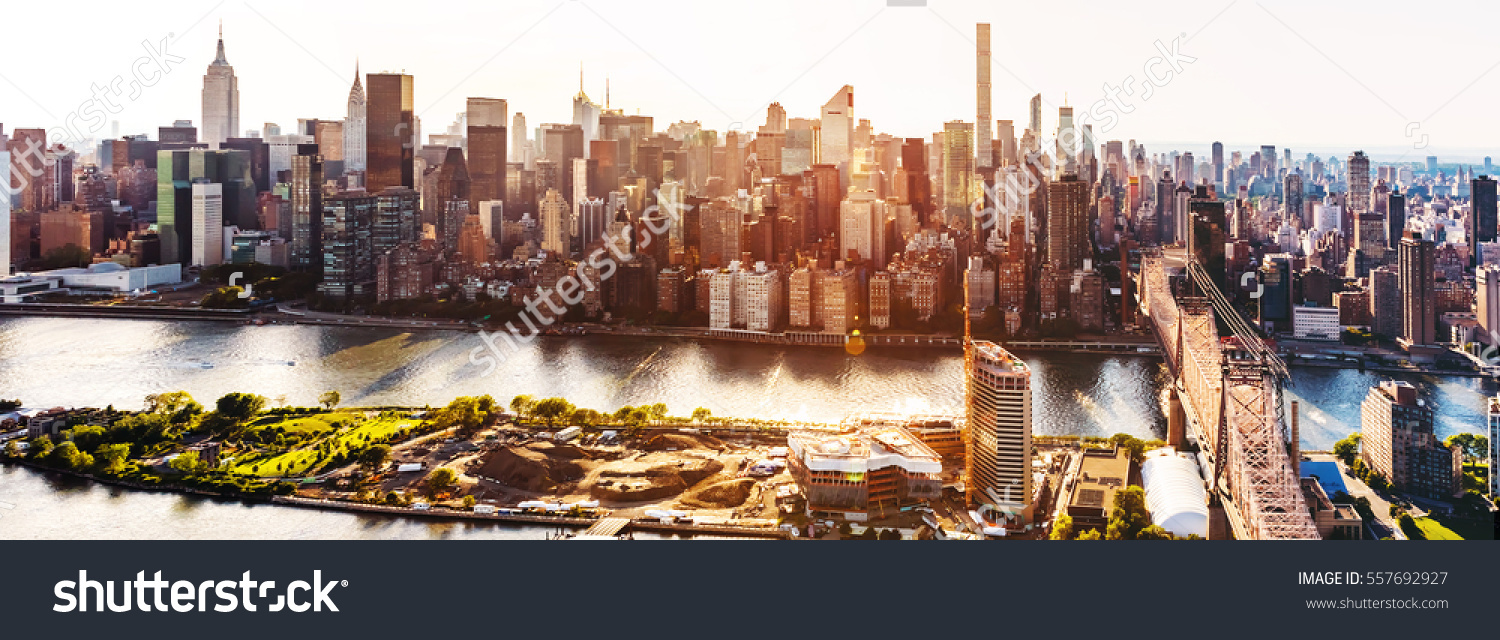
1327 77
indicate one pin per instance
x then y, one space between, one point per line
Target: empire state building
221 100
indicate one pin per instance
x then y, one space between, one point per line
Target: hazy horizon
1275 71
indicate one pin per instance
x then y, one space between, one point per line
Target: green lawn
1434 530
307 457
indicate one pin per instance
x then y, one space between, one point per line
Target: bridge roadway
1239 527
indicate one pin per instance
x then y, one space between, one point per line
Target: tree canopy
240 406
1347 448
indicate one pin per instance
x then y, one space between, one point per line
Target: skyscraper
958 171
1482 217
555 236
1292 194
982 120
1359 183
207 224
487 143
390 137
518 146
1068 243
355 127
1418 302
348 256
1034 117
1005 136
862 228
998 411
177 171
306 250
1493 404
1218 162
585 115
221 100
4 207
837 127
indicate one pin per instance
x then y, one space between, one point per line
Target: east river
88 362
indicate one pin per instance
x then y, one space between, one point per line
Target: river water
96 362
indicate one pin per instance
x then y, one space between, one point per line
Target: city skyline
531 60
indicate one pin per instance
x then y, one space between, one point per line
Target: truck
567 434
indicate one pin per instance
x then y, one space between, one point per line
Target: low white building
1315 323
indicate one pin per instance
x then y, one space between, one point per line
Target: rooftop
861 449
1103 474
995 355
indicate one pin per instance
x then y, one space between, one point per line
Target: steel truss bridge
1230 388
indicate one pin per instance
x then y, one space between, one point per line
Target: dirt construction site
664 470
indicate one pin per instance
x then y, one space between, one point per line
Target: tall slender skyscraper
1482 217
1418 297
1359 183
555 232
983 139
391 135
518 139
221 100
1034 116
354 126
307 209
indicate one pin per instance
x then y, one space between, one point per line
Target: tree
330 399
1409 526
374 457
551 409
67 456
1363 508
225 298
1346 449
1475 446
1376 480
1153 532
469 502
12 450
1132 444
177 406
111 458
1062 529
1091 534
464 413
40 448
441 479
658 411
87 436
1129 515
701 414
188 463
68 255
521 405
239 407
